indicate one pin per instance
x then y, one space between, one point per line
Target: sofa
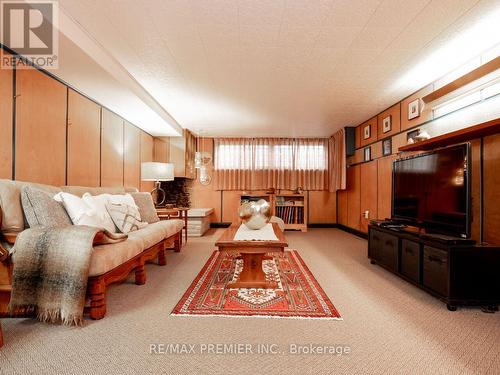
109 263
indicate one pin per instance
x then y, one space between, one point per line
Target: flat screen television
432 191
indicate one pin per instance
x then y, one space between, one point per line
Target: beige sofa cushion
154 233
10 203
146 207
172 226
80 190
106 257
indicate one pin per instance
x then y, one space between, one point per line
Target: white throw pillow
98 204
128 200
125 199
86 211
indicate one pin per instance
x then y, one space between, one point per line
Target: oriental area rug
298 294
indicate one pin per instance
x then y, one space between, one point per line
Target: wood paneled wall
369 184
491 180
368 194
205 196
62 137
111 149
40 143
131 155
84 141
147 154
6 95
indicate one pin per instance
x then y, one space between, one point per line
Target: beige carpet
390 326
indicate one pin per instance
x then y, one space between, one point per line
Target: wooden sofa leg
140 274
177 242
162 259
97 299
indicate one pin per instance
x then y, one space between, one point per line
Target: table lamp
153 171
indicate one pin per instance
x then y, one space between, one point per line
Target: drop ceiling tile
260 12
375 38
396 13
352 13
337 36
259 36
298 37
306 13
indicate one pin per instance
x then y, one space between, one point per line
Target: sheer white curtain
262 163
337 162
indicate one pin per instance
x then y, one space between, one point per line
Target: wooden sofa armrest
9 237
4 253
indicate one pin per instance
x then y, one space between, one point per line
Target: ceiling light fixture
480 37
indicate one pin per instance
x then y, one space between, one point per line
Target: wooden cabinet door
368 187
147 155
111 149
385 187
84 141
7 94
230 205
353 197
491 181
40 128
132 156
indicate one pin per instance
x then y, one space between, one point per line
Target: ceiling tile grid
280 67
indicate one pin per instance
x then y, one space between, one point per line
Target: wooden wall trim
60 80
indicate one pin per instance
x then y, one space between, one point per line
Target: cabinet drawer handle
435 259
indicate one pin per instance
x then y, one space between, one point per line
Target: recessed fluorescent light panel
466 45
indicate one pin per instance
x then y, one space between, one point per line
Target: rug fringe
47 315
258 316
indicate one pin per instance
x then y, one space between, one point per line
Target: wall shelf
472 76
463 135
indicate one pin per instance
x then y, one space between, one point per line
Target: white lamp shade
152 171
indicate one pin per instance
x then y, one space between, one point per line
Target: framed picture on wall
414 109
387 147
386 124
367 132
368 153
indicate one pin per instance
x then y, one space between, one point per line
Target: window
259 154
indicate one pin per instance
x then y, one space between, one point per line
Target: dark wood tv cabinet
459 275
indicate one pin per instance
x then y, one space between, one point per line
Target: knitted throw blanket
51 266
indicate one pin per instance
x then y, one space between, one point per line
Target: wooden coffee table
253 253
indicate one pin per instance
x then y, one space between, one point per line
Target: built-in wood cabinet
84 141
111 149
491 183
384 187
182 151
40 154
6 95
342 207
322 207
368 192
131 156
354 197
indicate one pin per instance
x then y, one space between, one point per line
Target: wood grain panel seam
14 111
